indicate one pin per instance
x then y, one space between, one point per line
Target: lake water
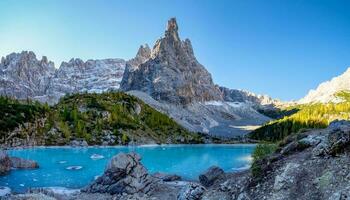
57 164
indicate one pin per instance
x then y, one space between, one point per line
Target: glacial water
77 167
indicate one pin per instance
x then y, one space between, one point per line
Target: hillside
107 118
305 116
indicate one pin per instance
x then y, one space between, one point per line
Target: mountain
23 76
169 78
172 73
327 91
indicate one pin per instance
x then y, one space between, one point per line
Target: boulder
212 174
123 174
4 191
5 163
192 191
167 177
20 163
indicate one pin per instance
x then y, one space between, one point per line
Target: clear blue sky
282 48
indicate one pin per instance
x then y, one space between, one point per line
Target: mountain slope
108 118
326 91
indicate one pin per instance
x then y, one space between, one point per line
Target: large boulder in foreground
5 163
209 176
123 174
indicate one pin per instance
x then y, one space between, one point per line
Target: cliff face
172 73
23 76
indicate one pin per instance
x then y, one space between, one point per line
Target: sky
282 48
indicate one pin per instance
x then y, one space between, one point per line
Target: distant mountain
170 79
23 76
172 72
327 91
167 77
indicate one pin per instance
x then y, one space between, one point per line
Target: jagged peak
171 31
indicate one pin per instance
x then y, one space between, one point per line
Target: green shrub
261 152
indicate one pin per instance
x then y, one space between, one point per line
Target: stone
4 191
192 191
123 174
209 176
167 177
5 163
20 163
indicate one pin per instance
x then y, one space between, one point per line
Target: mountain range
168 77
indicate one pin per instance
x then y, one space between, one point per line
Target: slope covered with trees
108 118
305 116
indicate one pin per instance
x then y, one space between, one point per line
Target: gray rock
209 176
123 174
192 191
4 191
167 177
20 163
5 163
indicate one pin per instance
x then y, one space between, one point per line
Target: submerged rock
4 191
21 163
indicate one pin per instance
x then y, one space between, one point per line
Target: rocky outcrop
5 163
209 176
167 177
172 73
191 191
20 163
123 174
326 91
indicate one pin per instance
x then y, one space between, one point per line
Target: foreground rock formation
309 166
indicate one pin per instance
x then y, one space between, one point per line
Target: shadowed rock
5 163
212 174
20 163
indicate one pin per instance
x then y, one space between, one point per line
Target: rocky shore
311 165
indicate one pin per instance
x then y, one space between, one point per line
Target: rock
20 163
284 179
4 191
5 163
191 191
167 177
172 73
124 174
208 177
78 143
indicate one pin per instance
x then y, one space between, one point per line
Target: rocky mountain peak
172 73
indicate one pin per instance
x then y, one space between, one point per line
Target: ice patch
96 156
62 162
74 167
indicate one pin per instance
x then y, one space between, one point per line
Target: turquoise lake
55 163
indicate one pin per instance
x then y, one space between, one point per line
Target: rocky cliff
172 73
23 76
170 79
326 91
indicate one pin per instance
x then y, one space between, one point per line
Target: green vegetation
260 153
115 118
307 116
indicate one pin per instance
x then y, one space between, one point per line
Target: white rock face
23 76
326 91
91 76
